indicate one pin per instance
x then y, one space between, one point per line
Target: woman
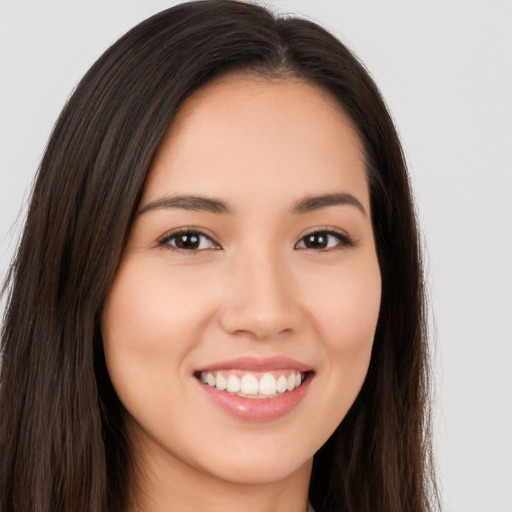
217 300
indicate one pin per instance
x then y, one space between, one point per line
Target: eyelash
344 241
165 241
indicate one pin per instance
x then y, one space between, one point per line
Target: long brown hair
63 444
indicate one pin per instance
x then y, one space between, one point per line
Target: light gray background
445 70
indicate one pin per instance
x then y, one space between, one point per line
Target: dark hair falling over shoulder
63 444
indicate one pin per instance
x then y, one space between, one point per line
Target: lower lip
257 409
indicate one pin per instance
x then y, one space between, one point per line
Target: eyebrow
313 203
212 205
188 202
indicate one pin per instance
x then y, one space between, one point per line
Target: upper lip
257 364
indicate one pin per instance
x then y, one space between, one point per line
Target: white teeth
220 382
281 384
290 382
233 384
249 386
268 385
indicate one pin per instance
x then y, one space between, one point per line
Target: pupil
187 241
316 240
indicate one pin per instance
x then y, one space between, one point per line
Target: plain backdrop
445 70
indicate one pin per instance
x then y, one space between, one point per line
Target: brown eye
316 241
189 241
324 240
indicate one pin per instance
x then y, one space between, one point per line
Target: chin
257 459
260 472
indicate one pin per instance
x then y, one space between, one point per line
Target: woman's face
250 265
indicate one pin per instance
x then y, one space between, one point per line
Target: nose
261 300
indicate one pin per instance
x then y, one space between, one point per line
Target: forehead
241 134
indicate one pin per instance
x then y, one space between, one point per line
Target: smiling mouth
257 385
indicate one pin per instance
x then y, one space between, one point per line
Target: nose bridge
261 302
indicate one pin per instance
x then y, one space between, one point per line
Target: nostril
242 321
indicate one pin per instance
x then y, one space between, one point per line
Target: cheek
148 328
150 309
347 318
348 307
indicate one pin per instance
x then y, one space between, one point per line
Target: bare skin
257 270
